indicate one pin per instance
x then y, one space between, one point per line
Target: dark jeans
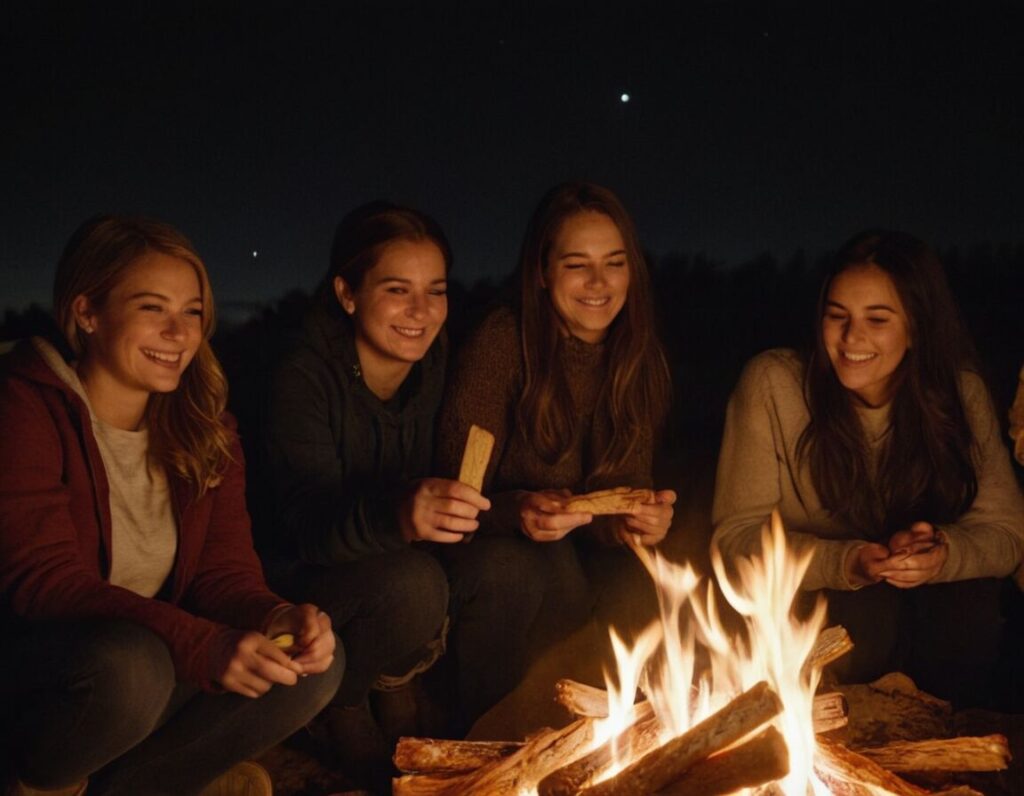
387 609
99 699
944 636
511 598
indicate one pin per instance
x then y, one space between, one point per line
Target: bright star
624 98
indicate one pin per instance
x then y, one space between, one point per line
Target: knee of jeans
419 592
130 675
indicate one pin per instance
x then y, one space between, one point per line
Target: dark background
757 137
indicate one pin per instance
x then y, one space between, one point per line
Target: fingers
458 492
255 664
907 571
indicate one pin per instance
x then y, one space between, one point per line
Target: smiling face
143 334
865 332
587 274
398 309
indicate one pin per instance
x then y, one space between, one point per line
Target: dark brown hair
362 235
636 397
186 430
925 470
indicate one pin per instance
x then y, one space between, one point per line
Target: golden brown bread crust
475 457
620 500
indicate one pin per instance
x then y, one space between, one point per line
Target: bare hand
249 663
865 564
440 510
917 556
314 642
543 518
650 521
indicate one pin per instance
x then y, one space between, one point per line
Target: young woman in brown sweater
574 385
882 452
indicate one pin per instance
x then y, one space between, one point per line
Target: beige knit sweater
758 470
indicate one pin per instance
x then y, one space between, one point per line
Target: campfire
748 718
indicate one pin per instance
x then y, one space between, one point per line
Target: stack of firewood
735 748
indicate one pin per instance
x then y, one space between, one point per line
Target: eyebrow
885 307
405 281
584 254
151 294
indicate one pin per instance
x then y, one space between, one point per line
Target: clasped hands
249 663
543 518
912 557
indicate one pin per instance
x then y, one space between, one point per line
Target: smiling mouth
163 357
406 331
858 358
594 302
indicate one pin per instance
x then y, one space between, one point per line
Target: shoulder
495 340
779 371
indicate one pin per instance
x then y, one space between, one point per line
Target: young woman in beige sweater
881 450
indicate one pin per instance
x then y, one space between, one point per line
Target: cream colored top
144 532
758 469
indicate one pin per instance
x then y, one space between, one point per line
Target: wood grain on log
431 755
832 643
987 753
635 741
668 762
847 773
829 712
762 759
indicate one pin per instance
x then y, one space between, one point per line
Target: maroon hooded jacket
55 529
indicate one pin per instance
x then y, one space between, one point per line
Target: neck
110 402
383 377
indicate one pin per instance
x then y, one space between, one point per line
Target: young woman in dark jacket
350 445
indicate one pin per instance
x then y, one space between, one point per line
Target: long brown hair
186 429
636 396
925 470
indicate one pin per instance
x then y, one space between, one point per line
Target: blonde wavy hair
186 427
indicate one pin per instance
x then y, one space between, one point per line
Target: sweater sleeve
987 540
763 413
483 391
1017 420
319 514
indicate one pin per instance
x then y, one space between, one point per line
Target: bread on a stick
620 500
477 454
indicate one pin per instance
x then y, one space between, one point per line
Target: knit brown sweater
759 469
485 390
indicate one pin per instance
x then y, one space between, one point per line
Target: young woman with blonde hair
138 628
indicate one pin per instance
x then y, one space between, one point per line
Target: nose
852 330
417 306
596 276
174 329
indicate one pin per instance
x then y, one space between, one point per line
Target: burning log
847 773
433 756
829 713
533 761
638 739
668 762
987 753
832 644
425 784
581 699
762 759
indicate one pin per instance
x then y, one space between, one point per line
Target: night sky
254 127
